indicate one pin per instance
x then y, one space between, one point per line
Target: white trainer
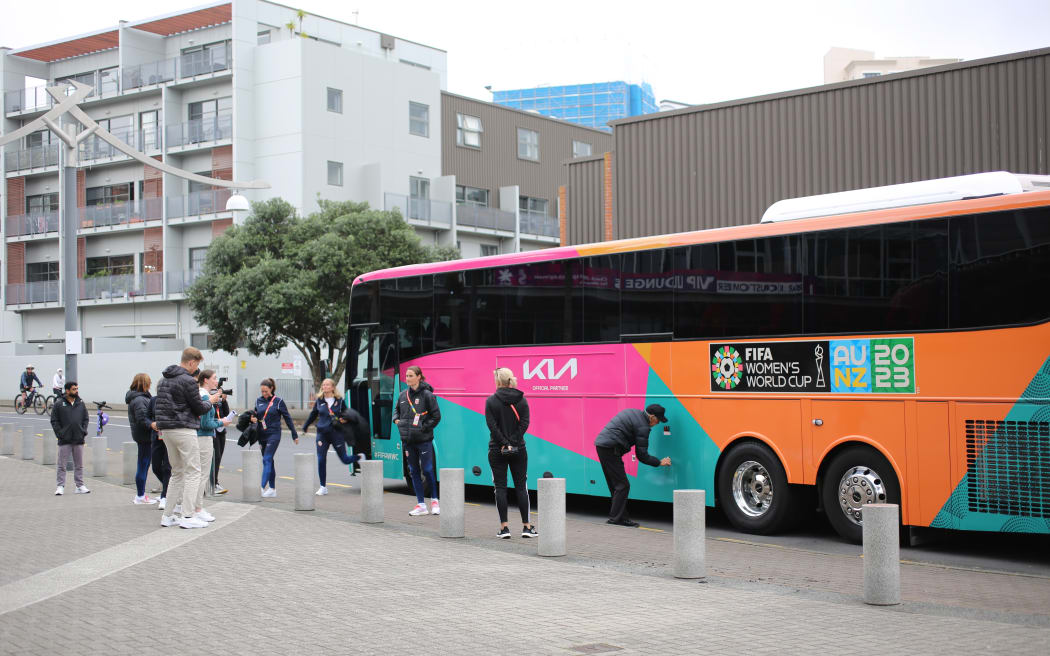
169 520
59 491
269 493
420 509
435 509
321 491
205 515
192 522
81 489
163 502
144 500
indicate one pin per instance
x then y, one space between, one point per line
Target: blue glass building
592 105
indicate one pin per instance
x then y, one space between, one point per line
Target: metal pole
68 266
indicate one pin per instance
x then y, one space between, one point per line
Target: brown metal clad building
724 164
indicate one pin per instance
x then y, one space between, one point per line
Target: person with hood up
58 381
69 420
416 415
507 416
137 400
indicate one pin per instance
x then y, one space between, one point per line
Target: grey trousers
64 451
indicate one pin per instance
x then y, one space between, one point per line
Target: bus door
382 375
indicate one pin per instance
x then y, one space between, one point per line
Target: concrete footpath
94 574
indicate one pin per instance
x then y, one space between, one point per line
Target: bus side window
647 294
599 279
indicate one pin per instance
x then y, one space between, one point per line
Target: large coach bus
880 345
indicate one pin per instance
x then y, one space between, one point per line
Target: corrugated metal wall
585 202
496 163
725 164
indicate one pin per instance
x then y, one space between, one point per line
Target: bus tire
753 489
855 477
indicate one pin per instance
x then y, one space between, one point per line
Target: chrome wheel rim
858 487
752 489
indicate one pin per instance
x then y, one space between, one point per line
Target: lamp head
237 203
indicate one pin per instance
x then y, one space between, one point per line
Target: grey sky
697 52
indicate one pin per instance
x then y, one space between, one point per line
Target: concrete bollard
452 503
99 456
130 453
49 454
882 554
551 494
689 527
7 440
305 473
372 491
28 446
251 474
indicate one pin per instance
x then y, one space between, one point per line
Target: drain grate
1008 466
595 648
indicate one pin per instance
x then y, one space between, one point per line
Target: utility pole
69 220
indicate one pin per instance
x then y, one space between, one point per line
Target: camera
227 392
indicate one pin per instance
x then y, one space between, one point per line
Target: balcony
93 149
180 281
197 205
121 286
538 223
121 214
33 224
27 100
203 62
25 293
435 214
470 215
148 74
28 159
201 130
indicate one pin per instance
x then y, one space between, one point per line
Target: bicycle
49 402
103 418
32 399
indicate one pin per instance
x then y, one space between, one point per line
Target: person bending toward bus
628 428
69 420
209 383
138 402
269 409
507 416
416 415
329 412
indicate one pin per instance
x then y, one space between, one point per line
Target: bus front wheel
753 489
855 477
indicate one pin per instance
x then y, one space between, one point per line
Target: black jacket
422 402
505 427
179 402
139 416
69 420
355 430
629 427
249 431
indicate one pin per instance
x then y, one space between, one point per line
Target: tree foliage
282 279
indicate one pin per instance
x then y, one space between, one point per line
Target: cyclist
26 383
58 382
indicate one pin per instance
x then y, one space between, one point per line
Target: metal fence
434 212
483 216
34 157
201 130
37 223
111 214
198 203
43 291
122 285
537 223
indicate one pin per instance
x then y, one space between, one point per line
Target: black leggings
219 444
161 466
519 465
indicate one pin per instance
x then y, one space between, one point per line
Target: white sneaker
205 515
81 489
420 509
163 502
192 522
144 500
435 509
168 520
269 493
178 509
60 490
321 491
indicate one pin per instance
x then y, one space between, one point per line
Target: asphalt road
1014 553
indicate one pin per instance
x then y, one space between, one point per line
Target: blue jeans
330 437
269 445
143 467
421 456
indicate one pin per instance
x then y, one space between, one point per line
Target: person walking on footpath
507 416
179 409
269 410
138 401
628 428
329 412
158 455
416 415
209 382
219 445
69 420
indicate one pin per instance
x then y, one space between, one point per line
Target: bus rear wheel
855 477
753 489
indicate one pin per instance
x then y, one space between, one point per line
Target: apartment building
842 64
593 104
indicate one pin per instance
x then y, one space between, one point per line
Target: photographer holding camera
507 416
222 409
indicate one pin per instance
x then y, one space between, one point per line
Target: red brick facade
222 162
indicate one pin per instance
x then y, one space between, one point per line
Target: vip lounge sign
840 366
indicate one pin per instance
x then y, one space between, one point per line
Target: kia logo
538 372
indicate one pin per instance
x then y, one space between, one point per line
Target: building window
149 123
870 74
264 37
110 265
197 259
528 144
418 119
335 173
581 149
109 194
203 341
489 249
468 131
472 195
206 58
534 205
42 203
107 80
41 271
335 100
39 138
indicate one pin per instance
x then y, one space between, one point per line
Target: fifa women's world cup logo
726 367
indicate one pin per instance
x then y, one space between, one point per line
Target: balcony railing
212 60
538 223
34 157
94 148
434 212
123 213
124 285
35 223
27 100
483 216
198 203
44 291
180 281
142 75
200 130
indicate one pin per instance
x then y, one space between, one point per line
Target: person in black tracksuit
416 415
507 416
628 428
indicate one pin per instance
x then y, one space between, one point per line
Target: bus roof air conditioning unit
940 190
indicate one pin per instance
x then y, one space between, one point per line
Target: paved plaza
94 574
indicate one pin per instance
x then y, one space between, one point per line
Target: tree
282 279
